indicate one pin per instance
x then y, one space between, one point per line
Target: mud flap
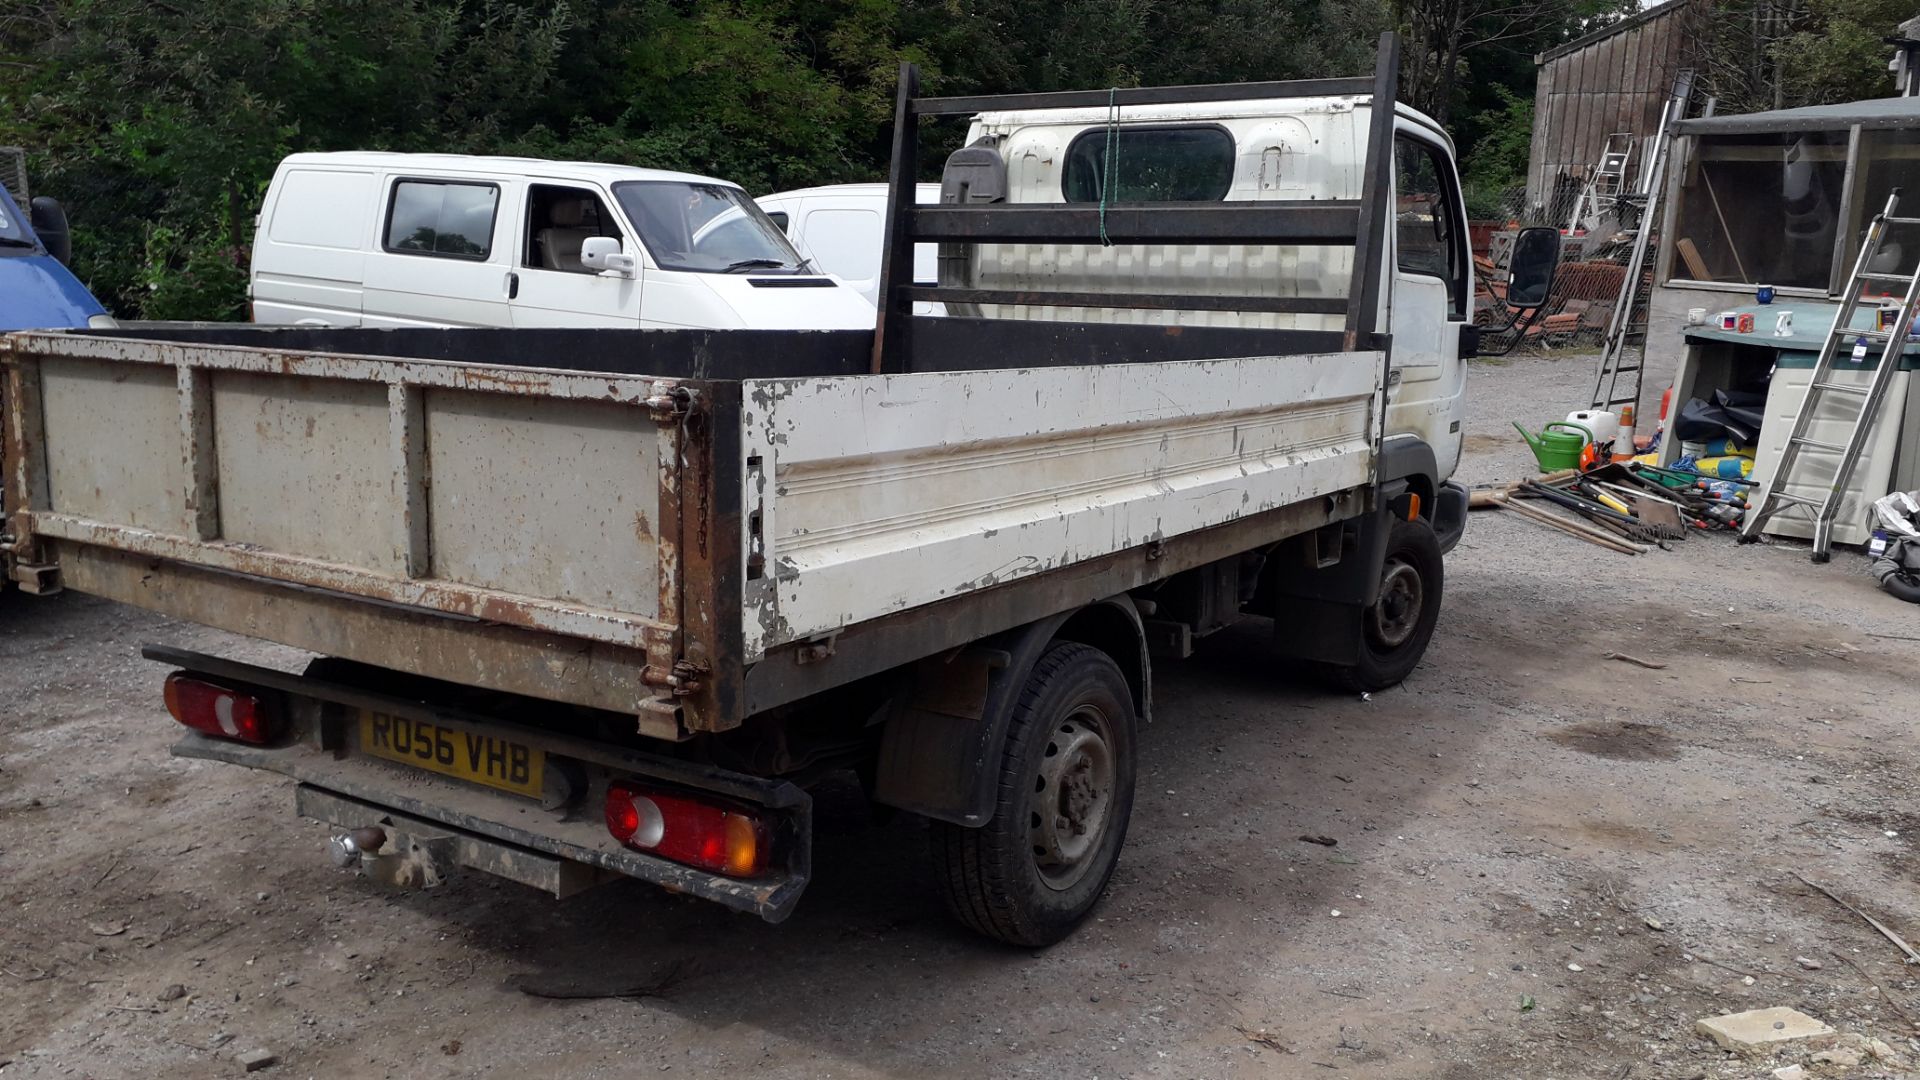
1316 607
944 734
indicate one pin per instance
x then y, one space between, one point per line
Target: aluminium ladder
1860 404
1605 187
1623 351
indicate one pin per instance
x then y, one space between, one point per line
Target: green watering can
1556 450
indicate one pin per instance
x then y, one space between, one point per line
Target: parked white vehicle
842 228
596 603
387 240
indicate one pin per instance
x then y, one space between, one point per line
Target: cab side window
559 220
1427 232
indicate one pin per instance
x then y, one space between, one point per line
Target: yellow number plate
482 759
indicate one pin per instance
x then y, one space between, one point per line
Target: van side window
442 217
559 220
1192 163
778 217
1427 232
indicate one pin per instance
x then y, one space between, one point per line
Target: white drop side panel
875 494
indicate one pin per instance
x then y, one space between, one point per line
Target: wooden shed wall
1616 81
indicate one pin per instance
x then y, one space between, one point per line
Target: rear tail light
723 840
217 710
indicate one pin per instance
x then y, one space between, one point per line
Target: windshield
15 237
708 228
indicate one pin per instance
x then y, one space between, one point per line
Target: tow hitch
405 861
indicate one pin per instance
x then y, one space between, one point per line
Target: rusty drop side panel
537 531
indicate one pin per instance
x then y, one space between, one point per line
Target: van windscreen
707 228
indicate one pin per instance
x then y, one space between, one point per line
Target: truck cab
1297 148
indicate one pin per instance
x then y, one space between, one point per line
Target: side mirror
1536 258
603 253
50 224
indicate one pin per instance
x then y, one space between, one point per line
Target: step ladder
1606 185
1859 404
1623 351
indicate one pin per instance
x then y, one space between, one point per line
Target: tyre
1062 799
1904 584
1396 629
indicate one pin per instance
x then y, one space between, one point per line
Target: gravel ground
1549 864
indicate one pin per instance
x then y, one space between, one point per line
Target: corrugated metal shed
1614 79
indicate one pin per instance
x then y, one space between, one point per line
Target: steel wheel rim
1397 612
1072 798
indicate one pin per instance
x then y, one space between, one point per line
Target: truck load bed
688 527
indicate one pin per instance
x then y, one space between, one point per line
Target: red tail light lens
217 710
722 840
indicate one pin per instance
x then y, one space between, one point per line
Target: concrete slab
1760 1028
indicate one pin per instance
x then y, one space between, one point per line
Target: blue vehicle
37 291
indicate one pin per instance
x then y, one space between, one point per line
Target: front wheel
1395 631
1064 794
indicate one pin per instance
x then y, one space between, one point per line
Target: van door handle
513 285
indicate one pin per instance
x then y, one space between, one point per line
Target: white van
382 239
842 227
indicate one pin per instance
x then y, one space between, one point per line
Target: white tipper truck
589 603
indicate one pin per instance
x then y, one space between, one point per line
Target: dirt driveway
1548 864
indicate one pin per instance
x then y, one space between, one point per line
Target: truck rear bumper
561 846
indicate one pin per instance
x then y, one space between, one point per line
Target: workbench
1726 359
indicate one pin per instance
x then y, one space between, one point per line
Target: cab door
1428 299
549 286
1429 303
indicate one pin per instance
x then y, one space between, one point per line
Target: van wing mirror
49 223
1530 270
603 253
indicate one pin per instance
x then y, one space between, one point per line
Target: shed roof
1895 112
1638 18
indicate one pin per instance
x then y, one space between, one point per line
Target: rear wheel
1064 794
1395 631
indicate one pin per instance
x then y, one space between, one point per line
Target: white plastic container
1604 425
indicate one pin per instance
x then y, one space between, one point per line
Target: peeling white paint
898 490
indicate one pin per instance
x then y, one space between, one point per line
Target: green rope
1110 168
